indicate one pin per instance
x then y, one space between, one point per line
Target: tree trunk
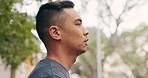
12 73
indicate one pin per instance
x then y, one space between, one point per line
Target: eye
78 23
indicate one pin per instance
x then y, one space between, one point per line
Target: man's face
74 35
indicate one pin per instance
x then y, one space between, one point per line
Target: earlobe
54 32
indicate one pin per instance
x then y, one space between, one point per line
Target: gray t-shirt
48 68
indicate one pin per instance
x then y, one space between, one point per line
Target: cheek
74 37
74 33
77 37
77 31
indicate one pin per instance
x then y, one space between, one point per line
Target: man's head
50 14
58 23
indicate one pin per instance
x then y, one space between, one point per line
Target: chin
81 52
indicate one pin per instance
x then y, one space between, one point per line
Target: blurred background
118 44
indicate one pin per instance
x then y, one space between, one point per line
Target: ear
54 32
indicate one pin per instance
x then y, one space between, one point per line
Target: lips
86 40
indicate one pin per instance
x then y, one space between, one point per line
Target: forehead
72 14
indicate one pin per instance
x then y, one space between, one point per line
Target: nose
86 32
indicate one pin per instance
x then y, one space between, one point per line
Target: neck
62 57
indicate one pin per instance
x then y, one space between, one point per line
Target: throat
66 62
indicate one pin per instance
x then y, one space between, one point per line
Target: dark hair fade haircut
48 15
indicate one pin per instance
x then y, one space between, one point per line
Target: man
60 28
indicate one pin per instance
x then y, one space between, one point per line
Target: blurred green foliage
130 52
16 40
124 54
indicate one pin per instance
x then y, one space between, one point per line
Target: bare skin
68 42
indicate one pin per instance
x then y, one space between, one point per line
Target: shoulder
45 72
43 76
48 68
42 70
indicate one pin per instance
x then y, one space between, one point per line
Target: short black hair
48 15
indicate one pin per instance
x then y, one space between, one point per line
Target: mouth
86 40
